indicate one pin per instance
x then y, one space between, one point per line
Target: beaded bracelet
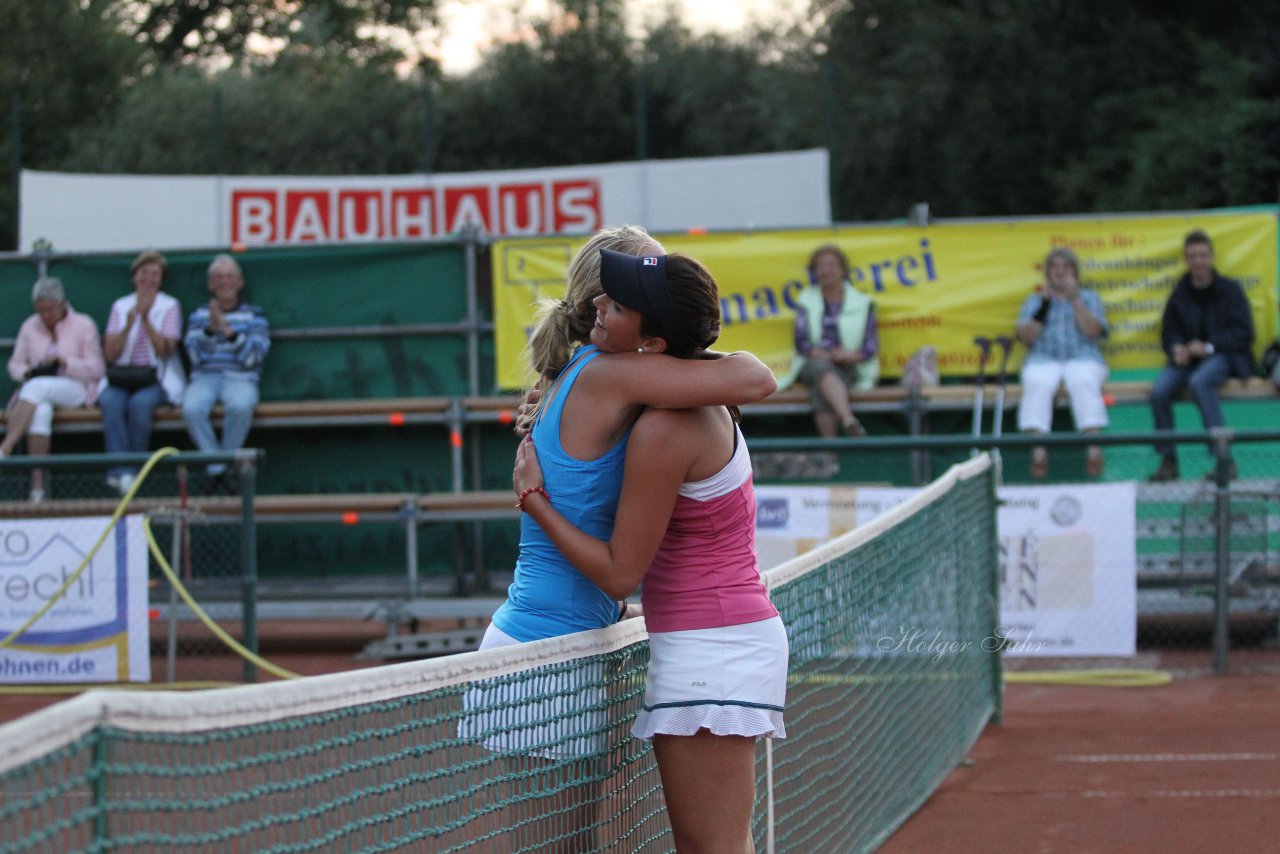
526 493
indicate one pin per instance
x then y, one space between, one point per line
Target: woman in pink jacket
57 358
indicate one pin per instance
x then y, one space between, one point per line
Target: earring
639 349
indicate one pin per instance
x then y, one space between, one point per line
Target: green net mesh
527 749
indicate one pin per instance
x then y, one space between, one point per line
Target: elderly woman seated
57 358
837 342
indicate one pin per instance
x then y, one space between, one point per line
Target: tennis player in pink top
686 526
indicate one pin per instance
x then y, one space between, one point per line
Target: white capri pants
45 393
1083 379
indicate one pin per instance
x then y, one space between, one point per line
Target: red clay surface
1184 768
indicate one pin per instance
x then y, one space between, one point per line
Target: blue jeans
239 395
127 418
1203 378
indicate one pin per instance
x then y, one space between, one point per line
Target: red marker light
396 419
350 518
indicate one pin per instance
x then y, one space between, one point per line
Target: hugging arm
665 382
651 481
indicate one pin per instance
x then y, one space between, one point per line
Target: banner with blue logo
96 629
1068 559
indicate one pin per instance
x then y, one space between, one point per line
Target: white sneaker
124 483
36 495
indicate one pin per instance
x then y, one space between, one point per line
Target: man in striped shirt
226 342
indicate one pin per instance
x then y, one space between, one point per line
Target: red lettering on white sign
466 206
253 216
334 214
360 215
577 206
522 208
412 214
306 216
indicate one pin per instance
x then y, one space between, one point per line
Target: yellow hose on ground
235 646
1102 677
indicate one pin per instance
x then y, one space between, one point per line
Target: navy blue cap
639 282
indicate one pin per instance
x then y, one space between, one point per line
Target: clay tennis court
1182 768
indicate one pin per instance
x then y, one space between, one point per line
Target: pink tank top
705 574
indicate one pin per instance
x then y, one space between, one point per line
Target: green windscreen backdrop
304 290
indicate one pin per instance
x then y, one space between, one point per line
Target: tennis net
527 749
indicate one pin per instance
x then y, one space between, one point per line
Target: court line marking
1183 793
1168 757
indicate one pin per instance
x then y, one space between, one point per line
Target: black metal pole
831 106
641 109
1222 557
428 132
15 159
248 471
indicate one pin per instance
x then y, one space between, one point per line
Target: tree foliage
979 107
177 30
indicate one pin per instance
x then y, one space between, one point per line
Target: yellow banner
941 284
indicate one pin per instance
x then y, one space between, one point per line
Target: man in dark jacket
1207 334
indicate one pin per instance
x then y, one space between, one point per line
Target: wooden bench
459 411
392 411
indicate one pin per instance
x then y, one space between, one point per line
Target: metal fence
175 515
1207 550
1207 546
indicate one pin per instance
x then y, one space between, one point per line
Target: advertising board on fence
97 630
1068 563
941 284
79 212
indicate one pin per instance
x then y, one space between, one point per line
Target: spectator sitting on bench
226 343
1061 329
144 367
58 360
1207 334
837 343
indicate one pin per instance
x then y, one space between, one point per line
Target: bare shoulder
679 425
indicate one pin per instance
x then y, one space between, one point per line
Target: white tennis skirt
555 712
730 680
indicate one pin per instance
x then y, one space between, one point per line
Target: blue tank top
549 597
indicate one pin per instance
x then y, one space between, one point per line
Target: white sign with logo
1068 562
83 212
96 630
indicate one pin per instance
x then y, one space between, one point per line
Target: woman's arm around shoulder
665 382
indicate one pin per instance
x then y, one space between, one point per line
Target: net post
997 651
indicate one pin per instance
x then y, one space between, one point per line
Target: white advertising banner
83 212
1068 561
97 631
1068 569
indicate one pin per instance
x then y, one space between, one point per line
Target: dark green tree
176 30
